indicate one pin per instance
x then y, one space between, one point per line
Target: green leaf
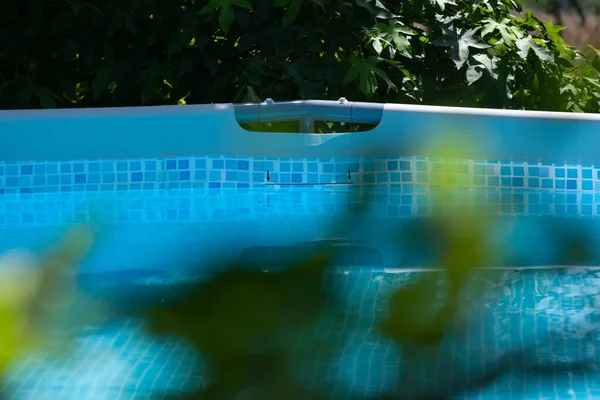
488 63
563 62
114 25
553 32
46 101
460 44
442 3
542 52
474 73
47 98
132 27
227 13
292 12
367 71
506 31
376 8
319 3
100 82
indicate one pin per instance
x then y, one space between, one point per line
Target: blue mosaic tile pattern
245 172
540 312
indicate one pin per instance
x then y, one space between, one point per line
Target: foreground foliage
78 53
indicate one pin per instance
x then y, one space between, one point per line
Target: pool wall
135 165
182 147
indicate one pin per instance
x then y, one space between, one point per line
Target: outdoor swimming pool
159 213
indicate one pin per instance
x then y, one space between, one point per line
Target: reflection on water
148 239
549 317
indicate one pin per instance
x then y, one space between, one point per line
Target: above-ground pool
174 189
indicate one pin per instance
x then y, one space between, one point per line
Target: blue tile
369 178
231 175
39 180
150 165
79 167
285 178
93 178
27 169
544 172
185 175
243 165
518 171
172 164
559 184
586 173
200 163
122 166
50 180
12 181
505 171
312 178
173 176
258 177
369 166
259 166
214 185
313 167
422 177
534 171
341 168
65 168
11 170
216 164
587 185
296 178
214 176
547 184
80 178
392 165
109 178
493 180
107 166
327 168
243 176
152 175
405 166
559 172
571 184
183 164
231 164
572 173
407 177
135 165
506 181
533 182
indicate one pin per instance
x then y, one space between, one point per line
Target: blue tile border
245 172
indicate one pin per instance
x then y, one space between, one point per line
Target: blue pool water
150 243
